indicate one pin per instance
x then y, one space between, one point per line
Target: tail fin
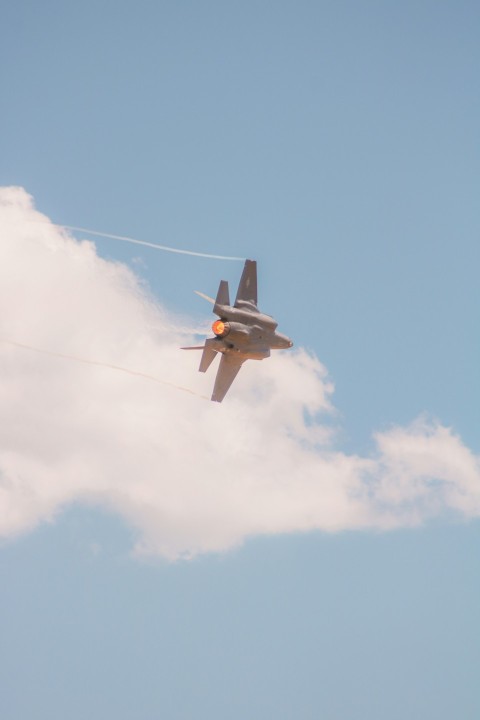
223 296
208 354
247 289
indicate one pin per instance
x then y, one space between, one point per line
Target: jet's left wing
227 372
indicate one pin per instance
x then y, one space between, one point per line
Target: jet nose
283 341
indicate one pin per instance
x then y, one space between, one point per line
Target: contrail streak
149 244
100 364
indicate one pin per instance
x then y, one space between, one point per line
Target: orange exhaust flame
220 328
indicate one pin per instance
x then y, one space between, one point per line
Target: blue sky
336 143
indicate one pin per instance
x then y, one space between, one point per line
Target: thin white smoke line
85 361
166 248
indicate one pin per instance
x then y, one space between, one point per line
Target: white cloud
191 476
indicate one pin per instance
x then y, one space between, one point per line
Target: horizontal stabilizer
194 347
209 353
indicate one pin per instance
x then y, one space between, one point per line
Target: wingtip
205 297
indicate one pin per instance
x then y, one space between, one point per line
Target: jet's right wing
227 372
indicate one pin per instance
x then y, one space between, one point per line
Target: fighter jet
241 333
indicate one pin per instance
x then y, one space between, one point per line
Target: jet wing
227 372
247 289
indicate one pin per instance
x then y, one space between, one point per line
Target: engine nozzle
221 328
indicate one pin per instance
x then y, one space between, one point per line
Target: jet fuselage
247 332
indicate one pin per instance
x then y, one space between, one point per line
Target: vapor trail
85 361
148 244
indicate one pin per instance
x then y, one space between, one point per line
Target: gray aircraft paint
241 333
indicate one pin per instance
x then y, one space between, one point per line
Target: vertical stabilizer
247 289
223 296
